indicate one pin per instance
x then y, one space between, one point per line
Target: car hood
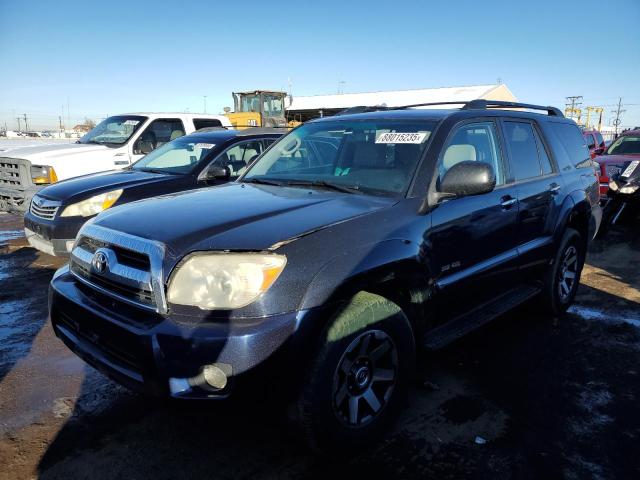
43 152
95 183
236 216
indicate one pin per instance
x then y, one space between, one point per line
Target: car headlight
43 175
613 185
92 206
629 189
223 281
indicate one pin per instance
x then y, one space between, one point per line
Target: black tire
558 293
366 335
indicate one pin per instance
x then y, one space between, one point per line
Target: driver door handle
507 202
554 188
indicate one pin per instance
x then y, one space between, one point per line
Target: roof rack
262 130
482 104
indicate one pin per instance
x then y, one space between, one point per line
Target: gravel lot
522 398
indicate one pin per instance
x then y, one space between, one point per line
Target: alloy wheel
568 272
365 378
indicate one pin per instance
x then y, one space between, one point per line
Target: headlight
213 281
43 175
92 206
629 189
613 185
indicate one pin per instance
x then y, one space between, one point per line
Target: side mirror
468 178
217 172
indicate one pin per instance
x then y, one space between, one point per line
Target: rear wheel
563 276
359 375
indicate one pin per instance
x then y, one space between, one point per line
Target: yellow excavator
258 108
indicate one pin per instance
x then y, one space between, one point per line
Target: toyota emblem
100 262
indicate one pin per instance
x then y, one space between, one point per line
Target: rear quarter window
573 143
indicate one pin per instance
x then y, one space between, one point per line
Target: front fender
347 273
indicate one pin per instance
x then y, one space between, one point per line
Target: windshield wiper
325 184
262 181
156 170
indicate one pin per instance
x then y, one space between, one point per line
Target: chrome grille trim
43 208
124 275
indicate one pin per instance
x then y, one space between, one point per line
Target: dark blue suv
349 244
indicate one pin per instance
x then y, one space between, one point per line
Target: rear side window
199 123
521 140
573 143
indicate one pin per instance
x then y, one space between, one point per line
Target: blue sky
116 56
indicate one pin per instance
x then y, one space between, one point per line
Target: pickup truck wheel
563 277
358 377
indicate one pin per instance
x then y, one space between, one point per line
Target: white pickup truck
116 142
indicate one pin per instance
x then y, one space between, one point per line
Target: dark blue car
351 243
202 159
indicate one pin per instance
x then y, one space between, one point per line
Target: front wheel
563 276
359 375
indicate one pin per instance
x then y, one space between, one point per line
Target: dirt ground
521 398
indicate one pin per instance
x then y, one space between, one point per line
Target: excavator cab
259 108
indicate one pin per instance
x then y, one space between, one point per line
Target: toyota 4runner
349 244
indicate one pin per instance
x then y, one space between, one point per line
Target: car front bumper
55 236
160 355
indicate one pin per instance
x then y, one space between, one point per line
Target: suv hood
236 216
84 187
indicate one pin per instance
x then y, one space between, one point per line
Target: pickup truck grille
43 208
613 170
9 173
121 266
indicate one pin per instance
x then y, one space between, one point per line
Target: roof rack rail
482 104
363 109
261 131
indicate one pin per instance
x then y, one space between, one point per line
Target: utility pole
60 123
573 106
618 112
18 119
26 125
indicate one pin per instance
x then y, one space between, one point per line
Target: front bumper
148 352
52 236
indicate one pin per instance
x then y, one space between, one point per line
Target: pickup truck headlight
43 175
628 189
92 206
613 185
223 281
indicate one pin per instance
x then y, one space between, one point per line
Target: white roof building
316 105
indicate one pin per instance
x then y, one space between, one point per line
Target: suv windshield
625 145
179 156
377 157
114 130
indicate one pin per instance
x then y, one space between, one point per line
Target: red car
623 149
595 142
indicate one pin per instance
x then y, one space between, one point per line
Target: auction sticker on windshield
204 146
131 122
399 137
630 169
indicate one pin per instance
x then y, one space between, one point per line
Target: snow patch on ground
590 313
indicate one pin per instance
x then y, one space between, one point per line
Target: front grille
121 266
9 173
43 208
124 255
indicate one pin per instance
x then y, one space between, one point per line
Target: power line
618 112
572 106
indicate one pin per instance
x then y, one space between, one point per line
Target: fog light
214 376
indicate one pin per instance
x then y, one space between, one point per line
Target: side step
451 331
